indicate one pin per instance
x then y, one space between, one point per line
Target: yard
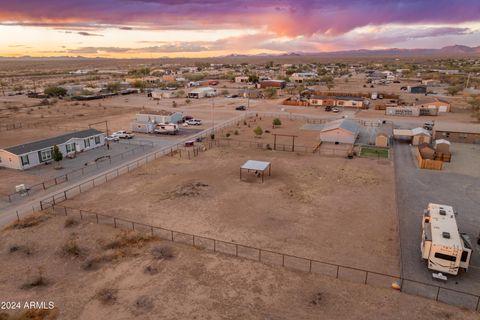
373 152
335 211
91 271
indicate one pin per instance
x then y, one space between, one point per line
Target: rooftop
345 124
50 142
444 223
457 127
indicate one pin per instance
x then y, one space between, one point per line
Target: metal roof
348 125
256 165
457 127
50 142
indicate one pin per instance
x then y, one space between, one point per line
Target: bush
227 135
212 136
236 132
20 248
55 91
276 122
71 249
70 222
38 281
107 296
164 253
258 131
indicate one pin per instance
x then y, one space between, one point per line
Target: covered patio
259 167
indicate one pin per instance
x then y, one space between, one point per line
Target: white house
29 155
202 92
241 79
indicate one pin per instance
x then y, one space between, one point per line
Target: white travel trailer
166 128
443 247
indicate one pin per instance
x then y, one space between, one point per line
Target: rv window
445 256
464 256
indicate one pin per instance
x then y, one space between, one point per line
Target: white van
166 128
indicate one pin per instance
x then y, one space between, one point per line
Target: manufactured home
29 155
340 131
202 93
444 248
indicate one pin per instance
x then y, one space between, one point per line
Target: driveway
416 188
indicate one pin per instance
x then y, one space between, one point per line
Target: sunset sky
199 28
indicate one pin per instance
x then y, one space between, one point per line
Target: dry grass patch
34 314
29 221
107 296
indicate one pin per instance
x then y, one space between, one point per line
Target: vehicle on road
335 110
122 134
241 108
194 122
328 108
232 96
112 138
166 128
443 247
428 125
185 118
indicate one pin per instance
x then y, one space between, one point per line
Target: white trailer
443 247
166 128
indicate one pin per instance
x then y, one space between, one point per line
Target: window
25 160
464 256
462 136
70 147
45 155
97 139
86 142
446 134
445 257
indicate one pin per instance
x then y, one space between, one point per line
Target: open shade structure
260 167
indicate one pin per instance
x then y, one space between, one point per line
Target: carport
259 167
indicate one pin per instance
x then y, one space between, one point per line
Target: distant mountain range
450 51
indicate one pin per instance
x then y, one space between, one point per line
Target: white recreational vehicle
443 247
166 128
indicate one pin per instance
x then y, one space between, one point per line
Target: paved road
416 188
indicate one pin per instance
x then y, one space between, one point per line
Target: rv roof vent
442 212
446 235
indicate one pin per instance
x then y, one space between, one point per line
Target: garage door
442 109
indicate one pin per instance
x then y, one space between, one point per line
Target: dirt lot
311 206
91 271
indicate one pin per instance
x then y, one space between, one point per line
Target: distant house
431 102
281 84
241 79
431 82
340 131
301 77
163 94
145 121
457 132
202 93
29 155
337 101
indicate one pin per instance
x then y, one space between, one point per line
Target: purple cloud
284 17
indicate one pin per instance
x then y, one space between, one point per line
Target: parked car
241 108
232 96
328 108
428 125
194 122
335 110
122 134
112 138
185 118
166 128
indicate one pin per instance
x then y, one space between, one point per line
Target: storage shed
420 135
340 131
383 136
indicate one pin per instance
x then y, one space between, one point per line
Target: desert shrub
316 299
70 222
150 270
258 131
29 221
71 248
107 296
235 132
163 252
276 122
144 303
129 239
37 281
21 249
227 135
212 136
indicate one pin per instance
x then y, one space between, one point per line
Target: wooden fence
427 163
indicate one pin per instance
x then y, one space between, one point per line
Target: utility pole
213 114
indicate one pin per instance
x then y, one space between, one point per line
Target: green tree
224 92
54 91
276 122
57 155
453 90
474 103
253 78
270 93
181 93
18 88
258 131
139 84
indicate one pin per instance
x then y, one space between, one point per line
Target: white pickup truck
122 134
